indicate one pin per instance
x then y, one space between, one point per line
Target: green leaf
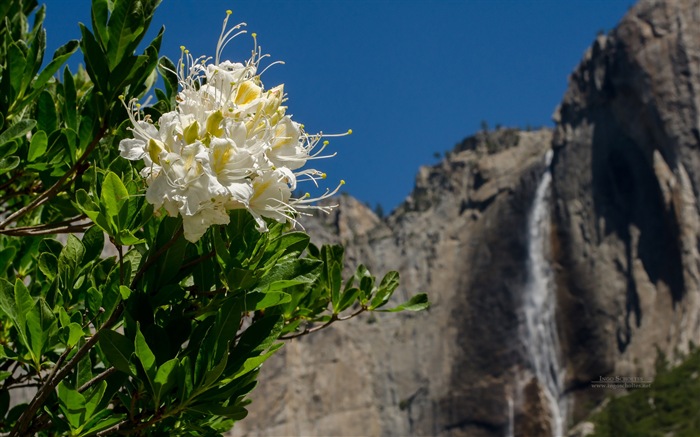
39 325
145 356
47 118
127 238
291 242
96 64
385 290
7 300
6 256
88 207
98 424
23 303
241 279
93 398
114 194
70 100
289 268
118 350
69 260
347 299
93 241
124 291
75 333
72 404
253 363
16 130
8 163
37 147
419 302
100 14
212 376
16 62
184 378
60 56
256 301
165 378
48 264
334 282
235 412
93 301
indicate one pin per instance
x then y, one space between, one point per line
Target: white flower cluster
228 145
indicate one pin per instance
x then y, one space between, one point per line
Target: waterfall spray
539 306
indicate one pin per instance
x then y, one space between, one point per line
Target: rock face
450 371
622 242
626 176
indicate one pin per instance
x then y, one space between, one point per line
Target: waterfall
539 306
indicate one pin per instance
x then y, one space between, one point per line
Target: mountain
552 259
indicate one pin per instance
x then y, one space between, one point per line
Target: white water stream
539 307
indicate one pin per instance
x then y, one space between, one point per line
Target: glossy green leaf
145 356
7 299
99 16
72 404
93 241
47 120
16 63
6 256
95 61
38 145
114 195
253 363
70 102
419 302
8 163
385 290
39 325
60 56
118 350
93 397
23 303
335 280
165 378
75 333
234 412
256 301
347 299
69 260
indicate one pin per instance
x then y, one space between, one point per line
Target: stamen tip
323 175
325 143
342 182
229 12
349 131
254 35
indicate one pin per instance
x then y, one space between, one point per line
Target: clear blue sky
410 77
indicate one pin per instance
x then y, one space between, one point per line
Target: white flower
228 145
270 198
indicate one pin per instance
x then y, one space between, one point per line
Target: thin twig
45 230
102 376
334 318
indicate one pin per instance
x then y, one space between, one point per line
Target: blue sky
410 78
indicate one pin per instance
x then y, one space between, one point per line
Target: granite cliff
542 276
